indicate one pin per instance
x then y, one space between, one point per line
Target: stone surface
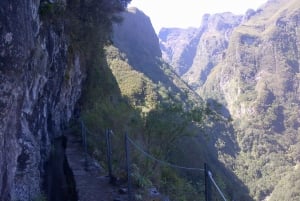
252 71
36 97
194 52
92 184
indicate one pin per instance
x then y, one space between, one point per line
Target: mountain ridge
256 78
156 89
203 47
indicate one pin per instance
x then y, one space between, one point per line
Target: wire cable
161 161
86 128
217 187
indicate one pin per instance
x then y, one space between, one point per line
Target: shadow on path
92 182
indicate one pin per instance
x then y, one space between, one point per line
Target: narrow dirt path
92 183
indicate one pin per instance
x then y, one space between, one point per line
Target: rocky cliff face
195 52
146 50
259 82
211 47
261 50
38 93
142 52
144 79
179 47
255 74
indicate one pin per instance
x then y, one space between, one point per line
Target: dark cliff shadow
136 38
59 183
204 147
221 141
218 108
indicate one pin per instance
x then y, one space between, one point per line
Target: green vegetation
40 197
131 90
116 96
260 87
160 117
148 111
288 187
51 11
156 115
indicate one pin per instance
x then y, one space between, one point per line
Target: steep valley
64 61
171 111
225 94
254 80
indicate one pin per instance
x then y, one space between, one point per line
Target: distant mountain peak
137 29
135 10
182 48
250 64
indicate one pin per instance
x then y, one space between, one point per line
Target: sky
188 13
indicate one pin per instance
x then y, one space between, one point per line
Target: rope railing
148 155
215 184
161 161
84 142
86 128
109 132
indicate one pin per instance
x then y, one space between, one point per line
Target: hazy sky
186 13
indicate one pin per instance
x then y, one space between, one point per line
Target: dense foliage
163 117
150 113
260 87
247 68
133 106
130 89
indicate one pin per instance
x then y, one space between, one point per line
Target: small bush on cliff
40 197
51 12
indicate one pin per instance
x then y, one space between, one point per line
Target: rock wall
38 93
258 82
194 52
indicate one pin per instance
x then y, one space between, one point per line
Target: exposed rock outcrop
179 47
194 52
252 68
38 93
258 80
141 50
146 49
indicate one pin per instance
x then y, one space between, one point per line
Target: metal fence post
85 147
84 143
127 151
108 154
82 135
207 183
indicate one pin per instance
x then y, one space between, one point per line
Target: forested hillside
226 94
255 81
194 52
137 92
